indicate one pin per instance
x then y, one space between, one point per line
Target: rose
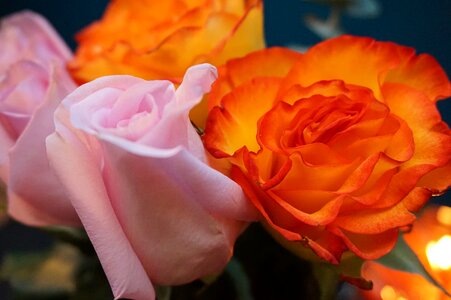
144 42
32 82
134 169
337 149
429 239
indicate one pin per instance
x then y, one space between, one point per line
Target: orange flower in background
160 39
430 239
335 147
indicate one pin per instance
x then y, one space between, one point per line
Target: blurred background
424 25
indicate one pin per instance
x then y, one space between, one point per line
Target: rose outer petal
330 60
270 62
424 74
40 202
37 34
125 273
176 240
234 125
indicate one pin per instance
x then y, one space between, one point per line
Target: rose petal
372 221
437 180
422 117
323 216
234 124
246 35
322 177
332 60
28 36
159 190
32 184
368 246
424 74
125 273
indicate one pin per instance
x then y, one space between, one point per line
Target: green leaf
404 259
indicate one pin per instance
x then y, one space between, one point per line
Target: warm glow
438 253
444 215
389 293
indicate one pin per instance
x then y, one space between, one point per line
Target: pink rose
33 80
135 171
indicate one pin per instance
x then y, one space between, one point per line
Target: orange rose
155 39
430 239
335 147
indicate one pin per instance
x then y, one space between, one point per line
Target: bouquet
175 155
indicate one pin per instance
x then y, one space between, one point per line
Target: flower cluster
333 150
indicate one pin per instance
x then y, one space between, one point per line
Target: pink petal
77 165
175 125
176 239
27 35
35 195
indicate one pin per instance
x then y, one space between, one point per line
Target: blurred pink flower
33 80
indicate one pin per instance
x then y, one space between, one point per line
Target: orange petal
422 73
274 123
324 246
360 175
323 216
416 199
308 201
355 137
373 189
323 87
372 221
197 43
234 124
437 180
270 62
422 117
368 246
322 177
355 60
266 168
323 243
256 196
319 154
327 246
246 36
401 146
401 185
